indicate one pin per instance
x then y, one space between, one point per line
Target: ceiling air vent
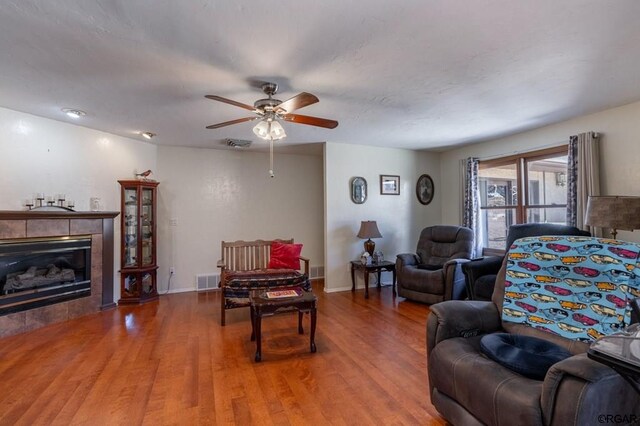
238 143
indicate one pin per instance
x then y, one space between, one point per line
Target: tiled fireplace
54 266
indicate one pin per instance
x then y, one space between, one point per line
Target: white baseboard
358 287
336 290
176 290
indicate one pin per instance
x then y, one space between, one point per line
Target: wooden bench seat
244 267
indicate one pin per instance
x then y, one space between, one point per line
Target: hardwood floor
170 362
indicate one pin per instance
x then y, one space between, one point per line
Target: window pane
496 225
498 186
547 181
556 215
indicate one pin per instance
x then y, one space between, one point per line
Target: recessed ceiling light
147 135
74 113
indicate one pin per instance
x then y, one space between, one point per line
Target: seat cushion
422 280
483 287
492 393
237 284
428 267
526 355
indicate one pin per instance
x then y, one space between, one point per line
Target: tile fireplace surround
37 224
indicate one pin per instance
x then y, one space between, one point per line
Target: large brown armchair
469 388
433 273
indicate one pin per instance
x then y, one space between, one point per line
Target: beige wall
620 151
42 155
215 195
400 218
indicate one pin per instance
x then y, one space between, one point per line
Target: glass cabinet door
130 227
147 220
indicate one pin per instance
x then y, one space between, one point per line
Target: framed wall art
425 189
389 185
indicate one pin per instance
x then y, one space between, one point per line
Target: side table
385 265
261 306
621 352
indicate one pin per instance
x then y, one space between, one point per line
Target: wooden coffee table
261 306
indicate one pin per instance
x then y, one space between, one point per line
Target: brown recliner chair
433 273
468 388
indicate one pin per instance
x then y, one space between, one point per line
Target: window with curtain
523 188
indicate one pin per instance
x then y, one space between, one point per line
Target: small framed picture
424 189
389 185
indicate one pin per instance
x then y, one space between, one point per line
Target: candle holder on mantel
39 203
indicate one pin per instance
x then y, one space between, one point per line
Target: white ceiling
407 74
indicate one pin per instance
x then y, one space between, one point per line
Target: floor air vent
316 272
207 281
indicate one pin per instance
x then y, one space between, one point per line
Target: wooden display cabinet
138 241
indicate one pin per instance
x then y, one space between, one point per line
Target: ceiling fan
270 110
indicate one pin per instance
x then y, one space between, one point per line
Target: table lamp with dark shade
369 230
613 212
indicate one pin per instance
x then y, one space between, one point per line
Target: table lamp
369 230
614 212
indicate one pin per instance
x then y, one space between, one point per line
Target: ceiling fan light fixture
269 130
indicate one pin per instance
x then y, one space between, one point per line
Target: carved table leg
300 329
313 329
353 278
366 283
253 324
258 321
394 281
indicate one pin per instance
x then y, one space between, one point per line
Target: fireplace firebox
43 271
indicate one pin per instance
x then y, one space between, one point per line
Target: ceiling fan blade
312 121
300 100
229 123
229 101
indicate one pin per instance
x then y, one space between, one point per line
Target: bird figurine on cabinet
144 175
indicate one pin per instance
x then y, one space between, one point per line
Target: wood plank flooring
170 362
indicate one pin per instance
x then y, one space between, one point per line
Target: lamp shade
614 212
369 229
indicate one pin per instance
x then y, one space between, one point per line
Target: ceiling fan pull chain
271 157
270 151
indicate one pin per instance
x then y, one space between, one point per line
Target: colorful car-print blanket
576 287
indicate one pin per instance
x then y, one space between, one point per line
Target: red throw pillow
285 256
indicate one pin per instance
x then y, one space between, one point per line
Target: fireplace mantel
50 223
52 214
